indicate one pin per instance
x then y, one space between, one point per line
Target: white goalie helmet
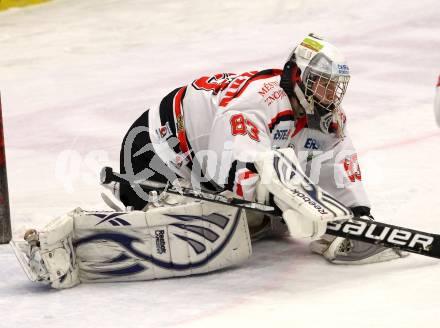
317 74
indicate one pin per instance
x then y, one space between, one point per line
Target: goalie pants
139 162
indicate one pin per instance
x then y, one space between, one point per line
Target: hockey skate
265 227
49 258
341 250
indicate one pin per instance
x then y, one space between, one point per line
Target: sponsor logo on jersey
311 144
352 168
343 69
164 132
181 159
393 235
281 134
275 96
269 95
266 88
180 125
160 241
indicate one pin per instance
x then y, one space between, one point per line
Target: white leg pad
163 242
57 252
50 257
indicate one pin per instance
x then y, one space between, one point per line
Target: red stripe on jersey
239 191
274 72
300 124
180 127
284 113
241 177
265 76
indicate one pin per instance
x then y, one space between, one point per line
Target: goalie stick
368 231
5 215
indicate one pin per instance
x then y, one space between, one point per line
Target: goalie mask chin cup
317 75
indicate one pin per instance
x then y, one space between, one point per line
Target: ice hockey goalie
274 136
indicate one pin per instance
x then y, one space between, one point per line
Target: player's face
324 90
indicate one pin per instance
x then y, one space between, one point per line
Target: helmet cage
325 84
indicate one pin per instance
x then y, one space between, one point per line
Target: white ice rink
74 74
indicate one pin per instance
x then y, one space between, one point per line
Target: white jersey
437 102
222 121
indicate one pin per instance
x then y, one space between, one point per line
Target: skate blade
19 248
111 203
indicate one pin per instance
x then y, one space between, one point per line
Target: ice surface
73 76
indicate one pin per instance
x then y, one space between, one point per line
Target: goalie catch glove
340 250
306 207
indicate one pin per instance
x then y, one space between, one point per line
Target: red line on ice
401 143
